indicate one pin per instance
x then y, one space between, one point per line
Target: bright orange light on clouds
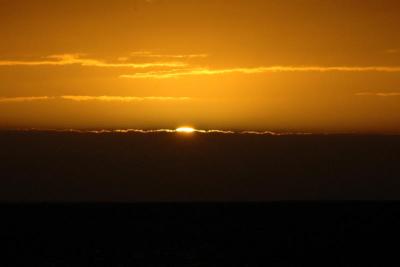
185 130
240 65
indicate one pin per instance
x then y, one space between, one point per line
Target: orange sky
308 66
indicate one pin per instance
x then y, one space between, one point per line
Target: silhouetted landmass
57 166
63 167
204 235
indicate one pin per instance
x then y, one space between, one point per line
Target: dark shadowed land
203 235
185 169
56 166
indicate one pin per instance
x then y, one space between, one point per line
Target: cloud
149 54
150 131
174 66
392 51
383 94
76 59
79 98
176 73
123 98
24 99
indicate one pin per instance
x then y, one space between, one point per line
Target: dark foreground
194 234
155 170
51 166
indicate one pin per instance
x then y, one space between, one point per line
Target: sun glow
185 130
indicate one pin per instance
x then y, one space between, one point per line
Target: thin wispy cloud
258 70
123 98
150 54
77 59
392 51
168 131
179 68
24 99
380 94
78 98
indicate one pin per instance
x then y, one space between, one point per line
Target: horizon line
194 131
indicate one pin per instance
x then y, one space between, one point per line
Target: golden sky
299 65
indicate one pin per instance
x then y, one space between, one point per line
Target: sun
185 130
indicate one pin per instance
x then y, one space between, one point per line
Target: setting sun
185 130
175 118
210 69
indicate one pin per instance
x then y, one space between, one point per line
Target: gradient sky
308 66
